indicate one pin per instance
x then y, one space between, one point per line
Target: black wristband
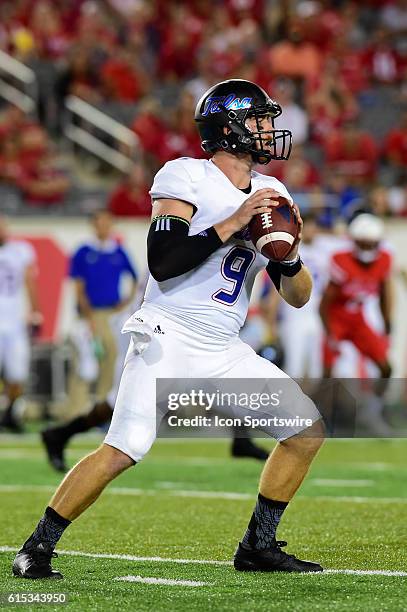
287 269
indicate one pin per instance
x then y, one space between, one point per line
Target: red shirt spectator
121 80
79 78
13 122
33 145
329 102
131 198
181 137
321 26
43 183
241 9
51 39
351 64
177 57
11 168
381 60
352 152
149 127
395 148
180 143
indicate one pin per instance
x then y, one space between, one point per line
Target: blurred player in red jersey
357 275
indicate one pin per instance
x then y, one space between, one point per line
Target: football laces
266 220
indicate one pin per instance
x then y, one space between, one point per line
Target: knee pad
134 440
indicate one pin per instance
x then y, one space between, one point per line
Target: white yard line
166 581
210 494
225 495
338 482
137 492
77 553
12 488
37 452
366 572
15 453
356 499
374 466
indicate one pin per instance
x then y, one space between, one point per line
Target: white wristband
291 262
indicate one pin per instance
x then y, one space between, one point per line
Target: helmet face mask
230 117
269 142
366 231
366 251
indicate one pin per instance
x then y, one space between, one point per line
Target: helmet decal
230 102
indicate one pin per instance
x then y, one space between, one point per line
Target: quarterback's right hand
259 202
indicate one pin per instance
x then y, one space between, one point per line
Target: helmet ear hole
246 140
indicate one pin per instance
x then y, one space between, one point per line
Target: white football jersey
15 256
317 257
212 299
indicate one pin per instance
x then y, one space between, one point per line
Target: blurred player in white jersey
55 439
301 331
202 268
17 275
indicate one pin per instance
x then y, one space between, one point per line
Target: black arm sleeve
171 252
273 270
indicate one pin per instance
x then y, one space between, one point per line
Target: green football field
163 535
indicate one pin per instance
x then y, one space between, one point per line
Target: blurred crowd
27 159
338 68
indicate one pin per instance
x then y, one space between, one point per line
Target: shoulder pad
194 167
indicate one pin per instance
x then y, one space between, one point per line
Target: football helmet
366 231
230 104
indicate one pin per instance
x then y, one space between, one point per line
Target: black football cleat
54 445
271 560
242 447
35 563
11 424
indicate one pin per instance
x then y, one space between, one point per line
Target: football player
202 268
17 274
358 274
55 439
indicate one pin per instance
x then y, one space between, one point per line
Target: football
273 233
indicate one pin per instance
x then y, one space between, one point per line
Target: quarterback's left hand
294 253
